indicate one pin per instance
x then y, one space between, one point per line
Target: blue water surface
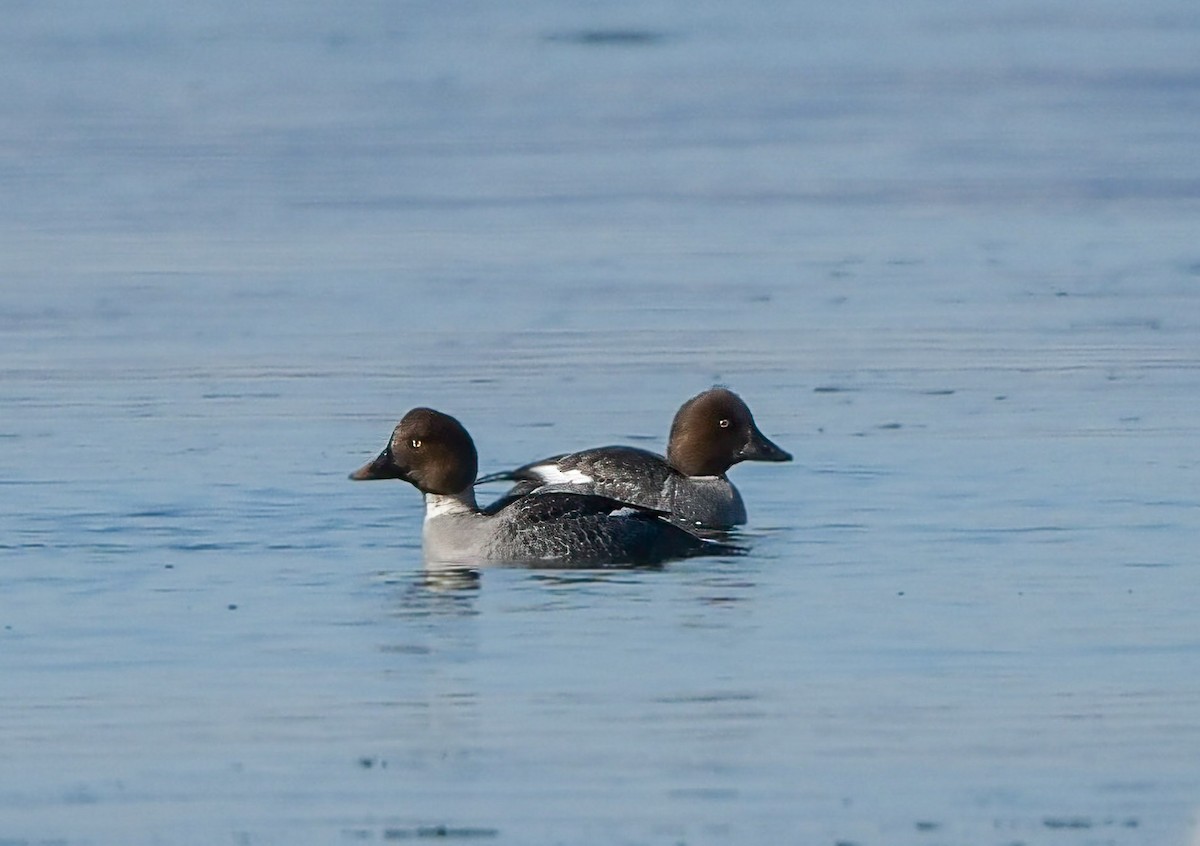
947 253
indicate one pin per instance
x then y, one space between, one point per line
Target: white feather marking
550 474
437 505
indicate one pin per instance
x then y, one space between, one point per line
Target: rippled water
947 254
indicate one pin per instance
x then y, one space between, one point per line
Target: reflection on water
433 590
449 577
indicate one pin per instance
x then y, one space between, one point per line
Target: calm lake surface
948 253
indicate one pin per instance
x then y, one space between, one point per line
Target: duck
550 525
710 433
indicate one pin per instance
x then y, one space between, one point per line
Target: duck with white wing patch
711 432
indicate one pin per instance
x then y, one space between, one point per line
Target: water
947 254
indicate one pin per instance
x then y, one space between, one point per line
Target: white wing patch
550 474
626 512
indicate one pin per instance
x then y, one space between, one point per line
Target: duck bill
383 467
760 448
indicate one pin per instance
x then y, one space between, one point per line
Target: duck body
557 525
639 477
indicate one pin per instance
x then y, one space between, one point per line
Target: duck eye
416 443
724 423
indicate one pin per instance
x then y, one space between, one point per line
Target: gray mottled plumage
565 526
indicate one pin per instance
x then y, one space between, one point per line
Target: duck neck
688 462
438 505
